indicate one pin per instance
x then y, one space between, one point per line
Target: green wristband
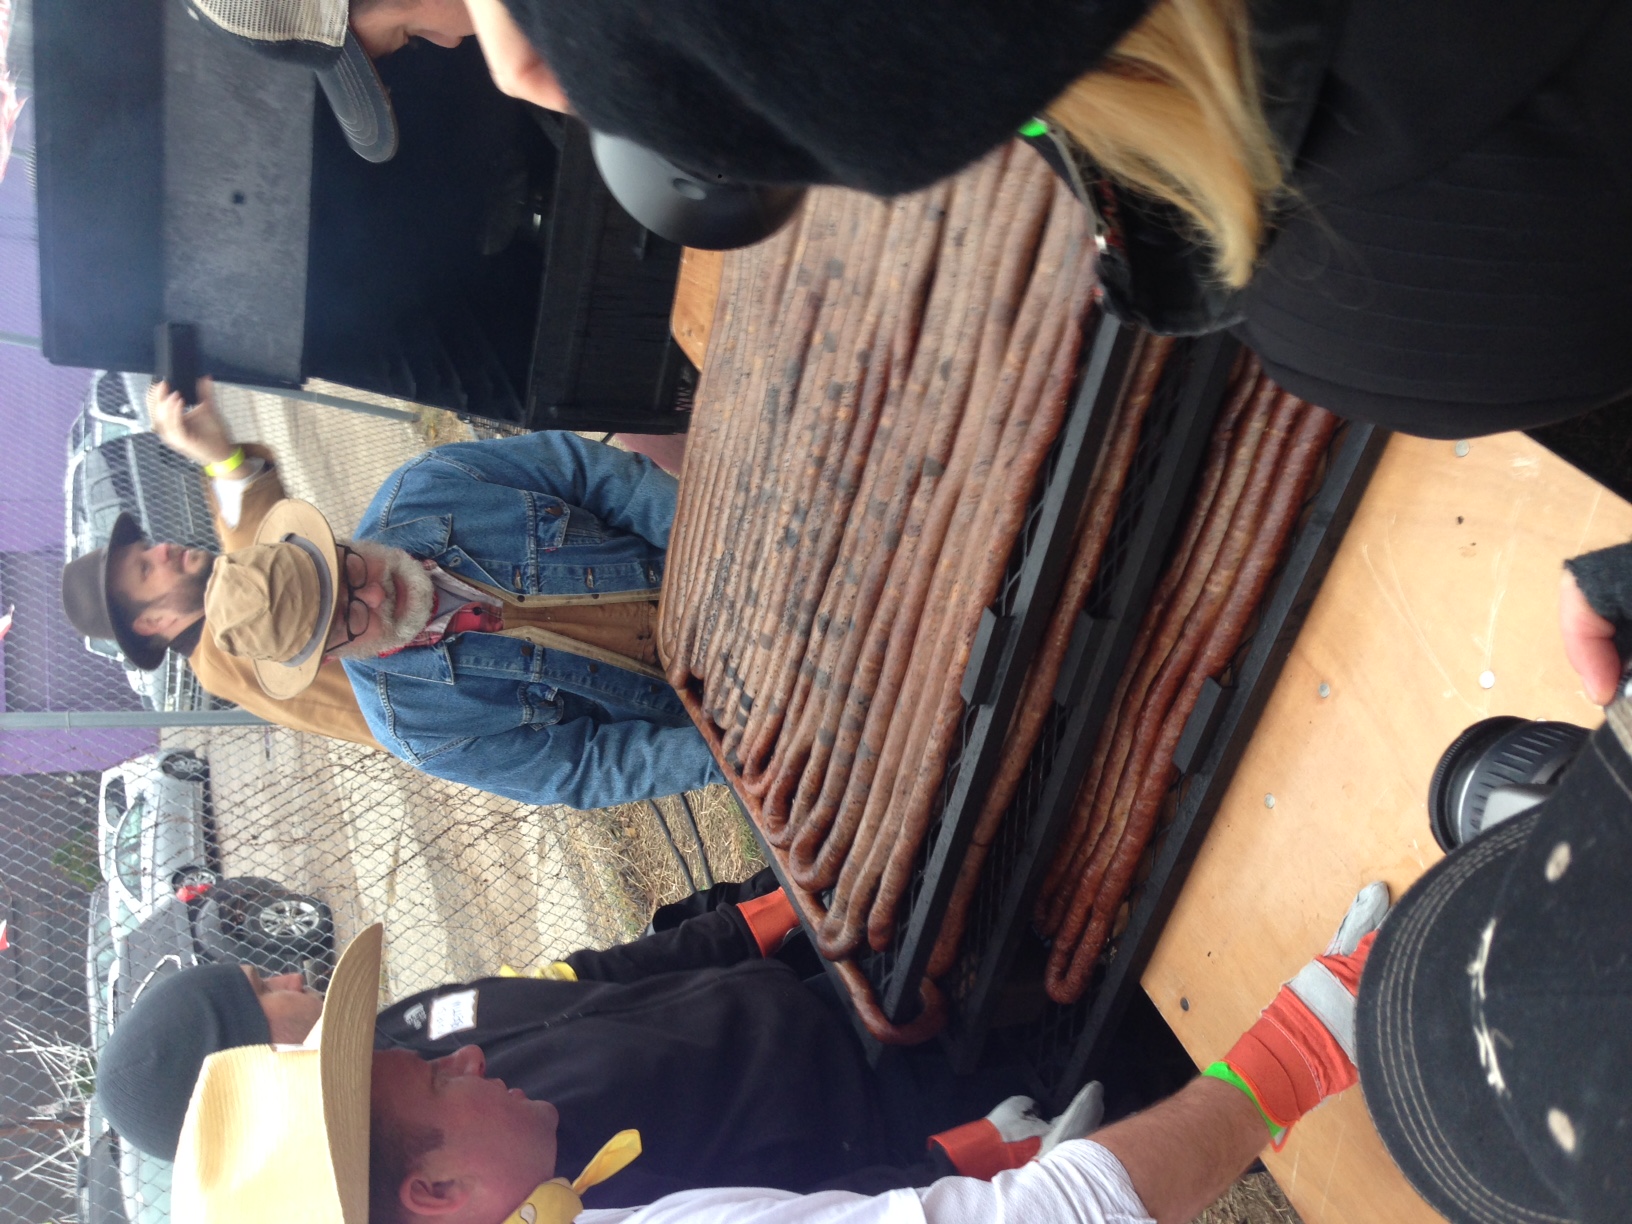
1223 1071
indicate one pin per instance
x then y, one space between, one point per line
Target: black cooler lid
174 183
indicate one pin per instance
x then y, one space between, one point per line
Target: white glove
1016 1118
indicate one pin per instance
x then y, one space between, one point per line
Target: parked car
115 405
101 967
240 920
144 1185
153 833
101 1188
119 1183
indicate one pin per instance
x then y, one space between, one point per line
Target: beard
187 595
397 621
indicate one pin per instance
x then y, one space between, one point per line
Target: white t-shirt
1079 1182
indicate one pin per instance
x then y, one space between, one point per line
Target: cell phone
175 358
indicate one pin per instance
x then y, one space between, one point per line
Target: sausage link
1115 772
887 650
1105 490
1004 512
1220 447
1013 312
1260 557
1145 731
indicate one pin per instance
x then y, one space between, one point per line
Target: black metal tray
1066 1045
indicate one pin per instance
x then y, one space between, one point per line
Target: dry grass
1254 1199
626 867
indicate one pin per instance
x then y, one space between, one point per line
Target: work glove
1013 1133
1301 1050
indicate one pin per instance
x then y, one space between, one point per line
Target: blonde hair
1174 111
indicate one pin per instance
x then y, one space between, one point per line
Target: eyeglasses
355 577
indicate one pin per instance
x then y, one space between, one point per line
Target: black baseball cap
146 1071
887 96
1495 1012
317 34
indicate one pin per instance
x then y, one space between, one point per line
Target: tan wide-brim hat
273 602
276 1135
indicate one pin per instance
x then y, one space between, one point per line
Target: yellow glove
555 971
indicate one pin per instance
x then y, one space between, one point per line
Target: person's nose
466 1060
372 593
295 983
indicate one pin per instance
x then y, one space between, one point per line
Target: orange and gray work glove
771 919
1012 1133
1301 1051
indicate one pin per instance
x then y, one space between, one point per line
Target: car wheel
194 877
289 918
185 767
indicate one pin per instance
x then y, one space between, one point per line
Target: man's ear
163 622
424 1196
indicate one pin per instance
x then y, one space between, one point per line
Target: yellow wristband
231 463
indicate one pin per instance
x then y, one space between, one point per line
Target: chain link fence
146 826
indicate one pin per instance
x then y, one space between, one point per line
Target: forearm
1185 1152
716 939
625 491
1077 1183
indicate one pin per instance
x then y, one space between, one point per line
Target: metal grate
1065 1044
986 916
1025 597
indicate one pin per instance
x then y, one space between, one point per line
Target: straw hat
278 1135
273 601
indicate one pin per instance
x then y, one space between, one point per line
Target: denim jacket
549 518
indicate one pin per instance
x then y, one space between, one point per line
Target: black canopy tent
484 269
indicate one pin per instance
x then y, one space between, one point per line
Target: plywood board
694 300
1441 608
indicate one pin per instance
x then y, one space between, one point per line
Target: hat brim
345 1039
301 523
141 651
1418 1057
359 101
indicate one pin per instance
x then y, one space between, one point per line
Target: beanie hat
887 96
146 1071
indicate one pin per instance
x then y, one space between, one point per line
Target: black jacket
735 1073
1456 257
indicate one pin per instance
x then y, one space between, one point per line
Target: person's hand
1079 1119
197 432
1301 1050
1014 1133
1589 642
516 66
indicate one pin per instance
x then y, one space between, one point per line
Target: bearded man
492 622
148 596
495 613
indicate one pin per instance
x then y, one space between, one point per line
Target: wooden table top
1441 608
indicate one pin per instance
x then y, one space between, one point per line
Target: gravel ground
1255 1199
